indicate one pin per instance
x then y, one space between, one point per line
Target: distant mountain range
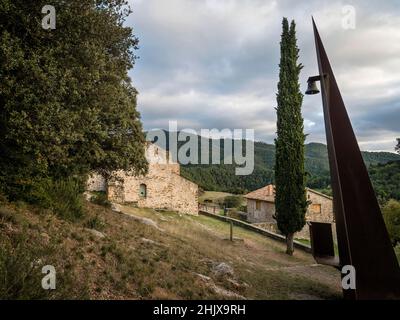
221 177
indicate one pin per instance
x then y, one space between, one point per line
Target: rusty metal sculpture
363 241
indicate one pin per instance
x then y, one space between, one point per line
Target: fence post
231 233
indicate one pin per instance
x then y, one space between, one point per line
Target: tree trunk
289 244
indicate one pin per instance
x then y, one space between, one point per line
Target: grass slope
135 260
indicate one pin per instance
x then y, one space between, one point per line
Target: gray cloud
214 64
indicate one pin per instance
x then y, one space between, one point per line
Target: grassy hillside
110 255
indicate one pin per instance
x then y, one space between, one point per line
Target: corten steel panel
363 240
321 240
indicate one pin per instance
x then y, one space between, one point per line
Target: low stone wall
261 231
302 234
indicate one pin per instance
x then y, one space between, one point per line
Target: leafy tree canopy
391 214
67 104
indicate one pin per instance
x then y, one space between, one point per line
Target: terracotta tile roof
319 193
264 194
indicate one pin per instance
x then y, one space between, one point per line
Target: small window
258 205
143 190
316 208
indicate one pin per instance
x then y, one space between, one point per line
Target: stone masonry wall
267 210
326 214
96 183
164 190
263 217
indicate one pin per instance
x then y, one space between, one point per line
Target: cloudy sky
214 64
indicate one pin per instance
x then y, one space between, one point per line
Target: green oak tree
67 104
391 215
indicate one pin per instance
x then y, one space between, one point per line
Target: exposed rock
96 233
143 220
203 277
87 196
227 293
115 207
237 284
45 237
147 240
224 292
223 269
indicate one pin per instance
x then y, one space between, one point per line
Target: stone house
261 208
161 188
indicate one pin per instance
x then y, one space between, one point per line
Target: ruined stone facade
161 188
261 209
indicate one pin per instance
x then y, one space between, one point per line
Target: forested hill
222 177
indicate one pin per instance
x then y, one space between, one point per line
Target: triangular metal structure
363 240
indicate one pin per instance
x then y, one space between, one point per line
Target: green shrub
20 273
101 199
7 215
63 197
232 201
21 262
67 198
95 223
391 214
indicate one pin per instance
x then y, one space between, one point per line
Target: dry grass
137 261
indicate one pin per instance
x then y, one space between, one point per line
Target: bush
21 262
95 223
63 197
391 214
3 198
232 201
20 274
7 215
101 199
67 199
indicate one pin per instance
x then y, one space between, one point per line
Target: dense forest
384 169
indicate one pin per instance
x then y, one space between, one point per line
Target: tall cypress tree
290 196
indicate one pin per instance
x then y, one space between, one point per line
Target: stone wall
164 189
96 183
325 214
319 210
264 214
163 186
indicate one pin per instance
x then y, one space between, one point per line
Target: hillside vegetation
222 177
144 254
